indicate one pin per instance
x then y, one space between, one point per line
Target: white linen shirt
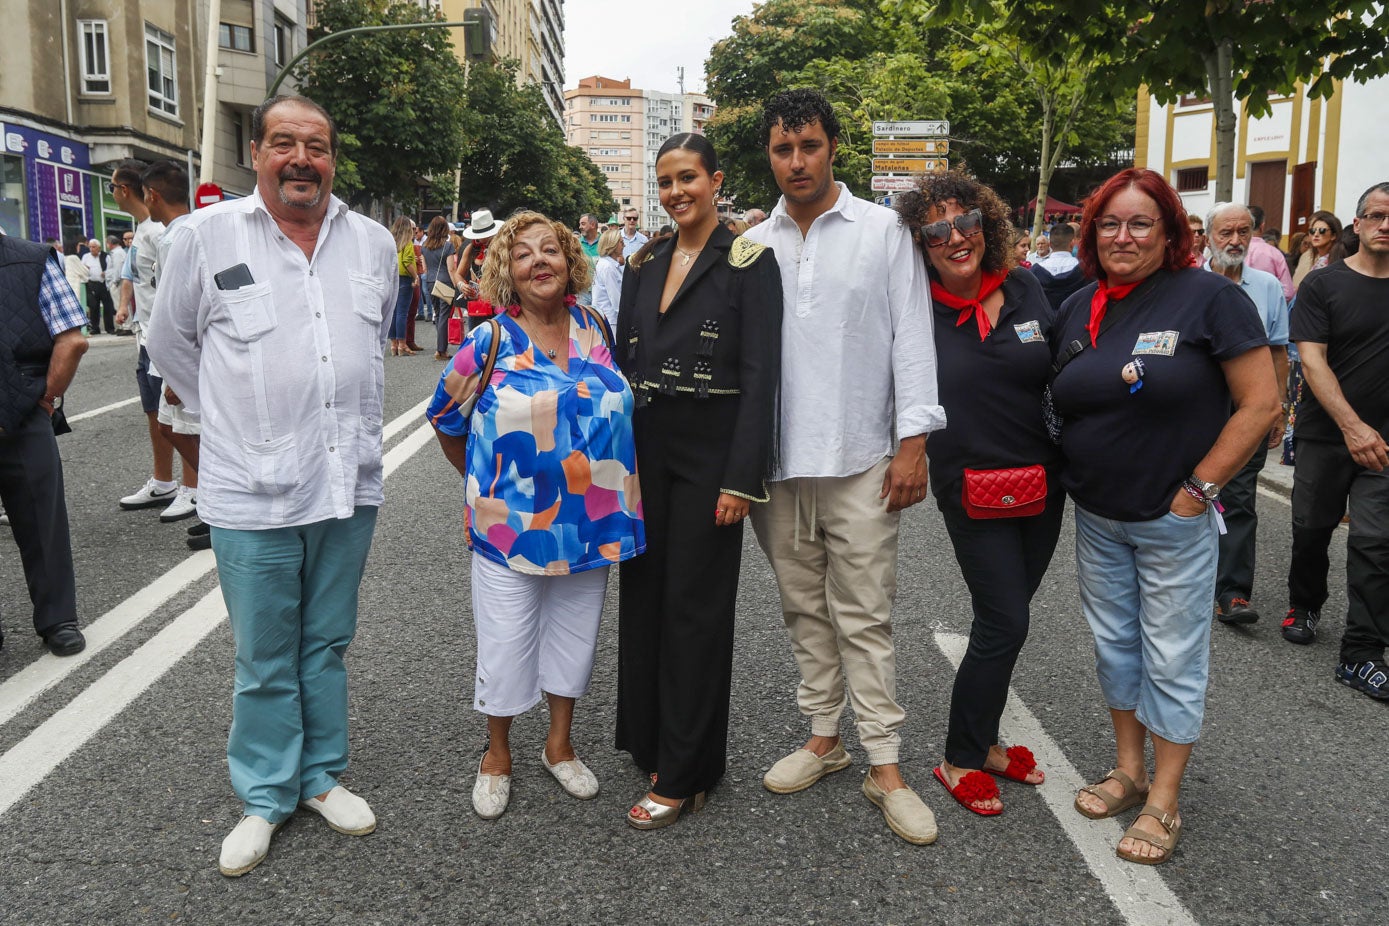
287 371
858 355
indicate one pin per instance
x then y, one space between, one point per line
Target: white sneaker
184 505
246 846
491 794
345 812
150 496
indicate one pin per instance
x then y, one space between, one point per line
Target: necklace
550 352
689 255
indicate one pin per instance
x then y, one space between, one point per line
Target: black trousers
676 601
100 307
31 487
1325 477
1234 574
1003 561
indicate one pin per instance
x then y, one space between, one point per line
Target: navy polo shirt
1127 450
992 389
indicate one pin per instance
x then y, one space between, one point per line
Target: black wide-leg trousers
676 601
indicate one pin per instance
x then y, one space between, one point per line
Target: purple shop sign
42 146
69 187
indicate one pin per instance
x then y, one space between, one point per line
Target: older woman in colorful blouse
546 452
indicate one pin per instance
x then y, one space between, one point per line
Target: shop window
96 67
161 71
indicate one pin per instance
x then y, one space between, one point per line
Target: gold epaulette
744 252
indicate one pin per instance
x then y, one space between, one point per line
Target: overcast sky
645 40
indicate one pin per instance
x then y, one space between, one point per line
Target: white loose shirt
287 371
858 356
115 263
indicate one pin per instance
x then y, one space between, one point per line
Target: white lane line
21 689
1139 893
104 409
39 753
1276 496
31 760
25 686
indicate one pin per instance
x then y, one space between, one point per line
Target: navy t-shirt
1349 313
992 389
1128 449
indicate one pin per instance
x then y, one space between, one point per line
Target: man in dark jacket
1059 271
41 342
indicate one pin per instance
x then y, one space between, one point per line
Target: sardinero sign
915 128
893 184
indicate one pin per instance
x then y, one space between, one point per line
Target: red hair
1177 253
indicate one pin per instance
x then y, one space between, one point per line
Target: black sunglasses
967 224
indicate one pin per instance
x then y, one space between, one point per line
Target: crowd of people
623 400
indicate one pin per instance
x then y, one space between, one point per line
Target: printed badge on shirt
1157 342
1028 332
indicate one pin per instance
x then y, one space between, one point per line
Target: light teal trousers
291 593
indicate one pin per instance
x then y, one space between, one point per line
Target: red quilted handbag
1019 492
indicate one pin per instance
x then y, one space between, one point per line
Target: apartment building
529 31
86 83
622 128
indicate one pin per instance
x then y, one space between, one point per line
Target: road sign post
910 165
918 127
911 146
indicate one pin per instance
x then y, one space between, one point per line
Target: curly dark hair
794 109
935 190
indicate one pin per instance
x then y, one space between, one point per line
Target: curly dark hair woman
992 327
935 190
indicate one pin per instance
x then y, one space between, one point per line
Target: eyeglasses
1375 218
968 224
1140 226
1319 231
630 218
111 187
1194 231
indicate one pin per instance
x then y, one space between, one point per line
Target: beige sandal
1167 843
1131 797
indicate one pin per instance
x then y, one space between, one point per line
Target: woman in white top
76 272
607 278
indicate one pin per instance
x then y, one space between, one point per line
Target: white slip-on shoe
802 768
344 811
184 505
491 793
150 496
573 776
246 846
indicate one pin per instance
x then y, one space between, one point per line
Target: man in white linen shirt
858 365
272 314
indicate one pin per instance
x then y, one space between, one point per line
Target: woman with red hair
1152 357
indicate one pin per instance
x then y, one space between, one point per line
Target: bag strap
490 365
601 323
1074 349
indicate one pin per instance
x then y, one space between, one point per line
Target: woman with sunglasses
1154 356
991 331
1324 233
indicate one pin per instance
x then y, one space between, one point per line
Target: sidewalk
1275 476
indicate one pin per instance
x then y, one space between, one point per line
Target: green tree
1232 50
397 98
515 155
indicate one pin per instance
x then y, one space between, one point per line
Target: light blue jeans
1146 589
291 593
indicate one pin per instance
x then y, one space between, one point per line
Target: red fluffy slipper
1021 763
974 786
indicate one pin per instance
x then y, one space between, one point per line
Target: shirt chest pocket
368 297
250 310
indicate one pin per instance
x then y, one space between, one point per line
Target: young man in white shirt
858 369
271 320
632 238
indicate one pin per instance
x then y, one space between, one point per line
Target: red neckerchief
1100 302
970 307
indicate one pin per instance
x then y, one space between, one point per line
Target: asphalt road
115 794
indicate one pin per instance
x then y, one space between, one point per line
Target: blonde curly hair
497 285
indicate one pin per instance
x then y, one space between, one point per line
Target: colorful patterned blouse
552 477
